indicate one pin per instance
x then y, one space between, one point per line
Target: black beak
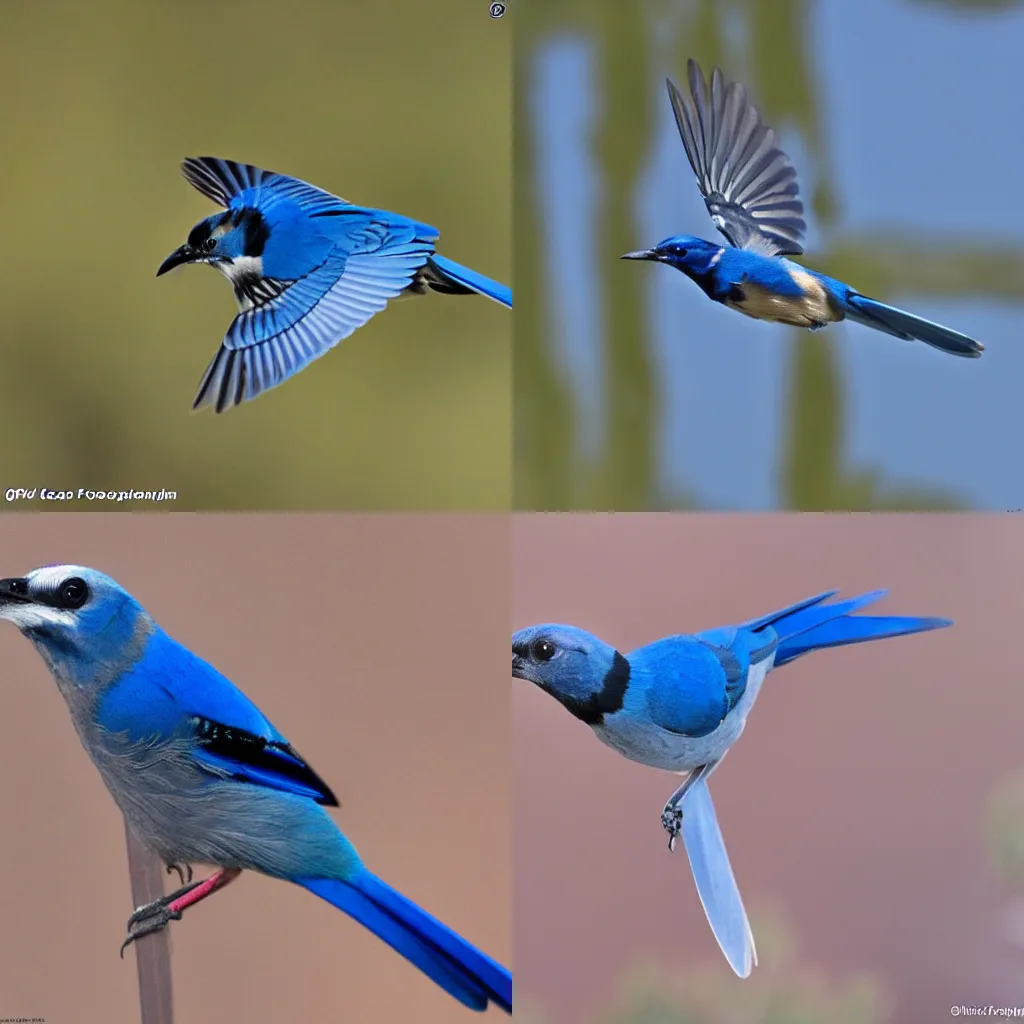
14 591
640 254
183 254
519 667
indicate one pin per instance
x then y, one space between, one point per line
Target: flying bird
202 776
680 703
750 190
307 269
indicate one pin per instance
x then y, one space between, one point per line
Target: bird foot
152 917
672 823
148 919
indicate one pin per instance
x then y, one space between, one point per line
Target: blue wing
172 692
233 186
230 752
715 882
270 342
689 685
748 184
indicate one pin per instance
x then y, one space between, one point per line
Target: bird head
693 256
82 623
221 240
583 673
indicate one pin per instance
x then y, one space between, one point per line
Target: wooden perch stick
152 952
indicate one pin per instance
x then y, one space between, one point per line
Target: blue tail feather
472 280
473 978
901 324
801 620
773 617
812 625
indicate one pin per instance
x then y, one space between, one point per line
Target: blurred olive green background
401 105
634 391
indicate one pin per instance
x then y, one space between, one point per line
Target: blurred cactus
529 1013
782 990
814 469
1005 829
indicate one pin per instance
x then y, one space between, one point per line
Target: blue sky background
923 137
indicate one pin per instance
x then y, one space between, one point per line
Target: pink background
855 799
377 644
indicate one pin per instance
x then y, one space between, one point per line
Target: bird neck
83 675
606 700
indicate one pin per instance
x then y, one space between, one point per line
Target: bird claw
181 873
153 917
672 823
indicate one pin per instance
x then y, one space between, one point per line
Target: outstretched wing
299 321
748 184
233 186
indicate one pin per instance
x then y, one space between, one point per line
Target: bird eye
18 587
543 650
73 593
209 245
680 251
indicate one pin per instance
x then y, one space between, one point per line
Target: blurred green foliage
549 473
401 105
782 989
1005 828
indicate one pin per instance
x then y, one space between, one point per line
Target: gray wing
748 184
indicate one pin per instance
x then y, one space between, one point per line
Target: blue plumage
307 268
202 776
680 703
462 971
750 189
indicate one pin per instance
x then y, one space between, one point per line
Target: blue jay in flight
307 268
202 776
680 703
750 190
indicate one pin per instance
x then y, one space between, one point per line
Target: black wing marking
250 758
254 290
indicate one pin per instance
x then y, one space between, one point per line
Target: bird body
668 722
750 190
680 703
307 269
201 775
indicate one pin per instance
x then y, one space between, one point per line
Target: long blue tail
446 958
810 625
902 324
455 272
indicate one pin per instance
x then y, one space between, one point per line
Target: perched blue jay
750 189
202 776
307 267
681 702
